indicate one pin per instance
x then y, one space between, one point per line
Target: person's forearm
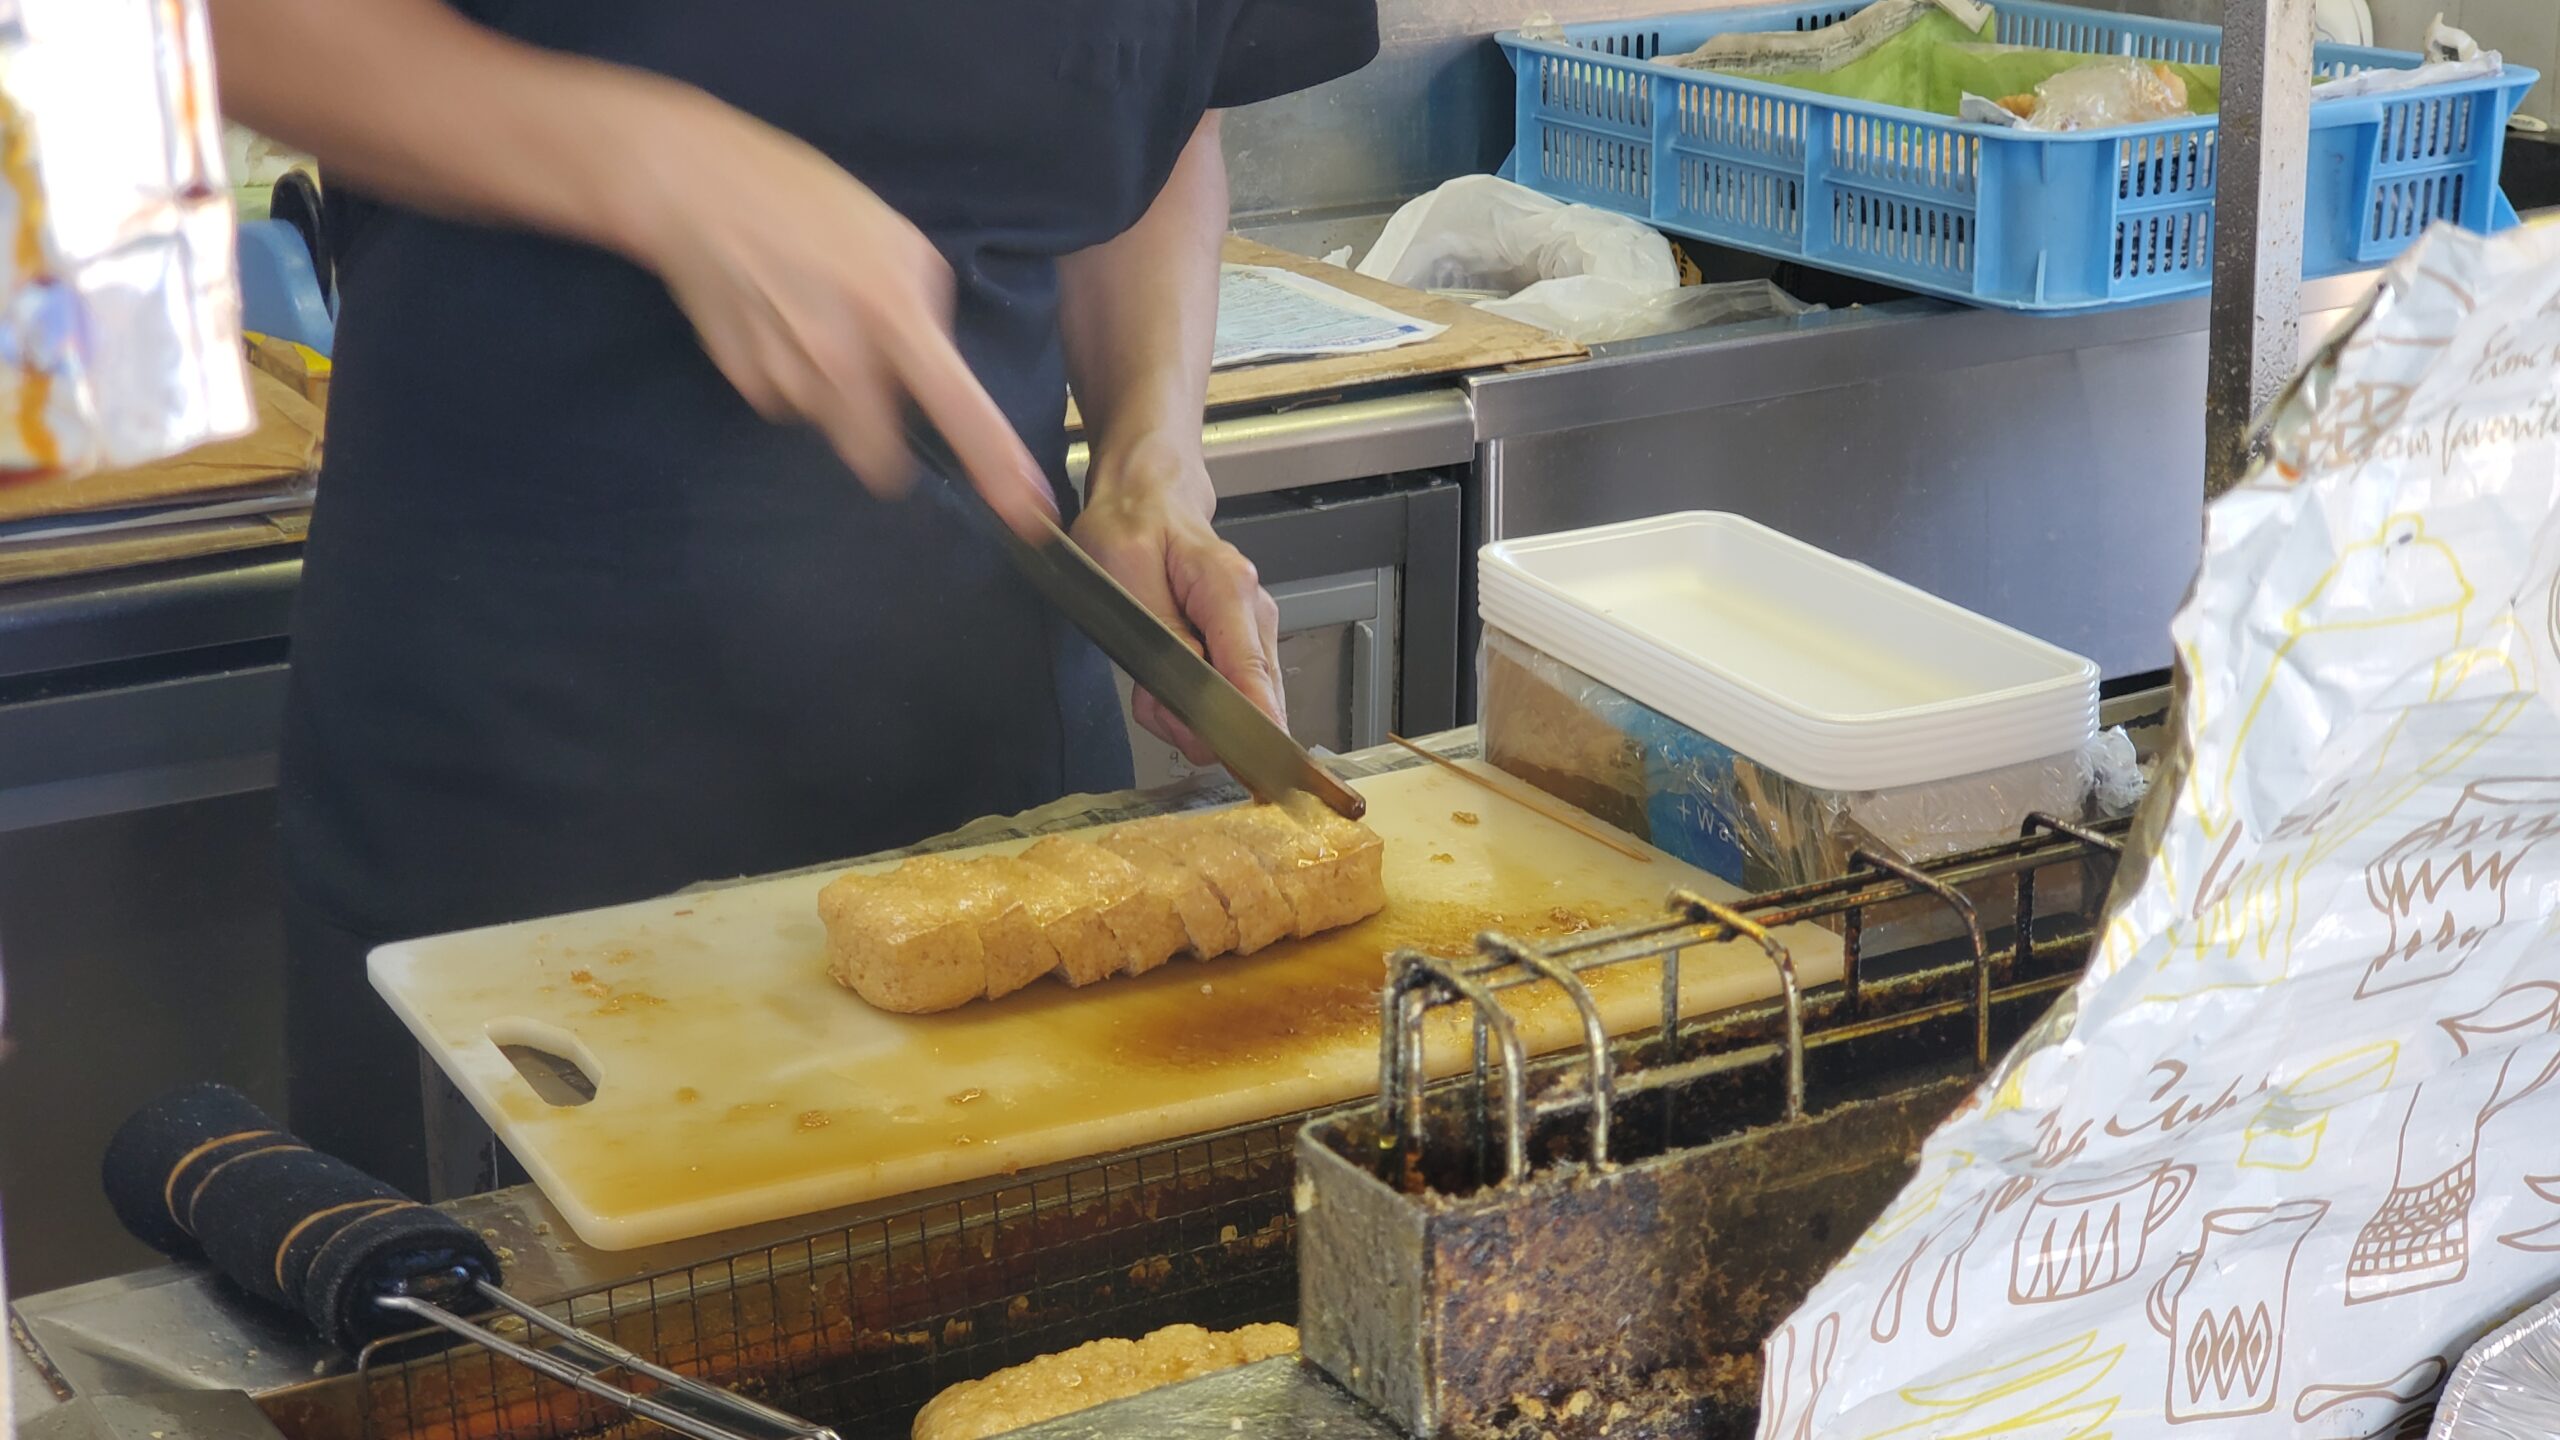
410 101
1140 315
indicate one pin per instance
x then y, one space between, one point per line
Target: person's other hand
818 301
1152 532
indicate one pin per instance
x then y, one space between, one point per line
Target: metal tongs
581 1359
1249 743
203 1175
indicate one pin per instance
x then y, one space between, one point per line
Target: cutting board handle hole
554 1065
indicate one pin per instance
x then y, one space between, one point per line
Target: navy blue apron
576 626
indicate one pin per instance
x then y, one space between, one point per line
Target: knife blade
1253 747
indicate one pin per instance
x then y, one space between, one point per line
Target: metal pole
2265 137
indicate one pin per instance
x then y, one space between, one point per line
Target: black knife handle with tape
203 1174
1254 748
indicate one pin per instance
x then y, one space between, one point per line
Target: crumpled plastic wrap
2508 1387
1583 273
2288 1148
120 337
1655 778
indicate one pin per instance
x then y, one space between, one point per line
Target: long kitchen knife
1254 749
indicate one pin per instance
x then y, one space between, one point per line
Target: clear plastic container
1839 676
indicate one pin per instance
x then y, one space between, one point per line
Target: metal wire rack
1421 982
855 1326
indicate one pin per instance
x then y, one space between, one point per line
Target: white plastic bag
1588 275
1481 232
2294 1140
1594 311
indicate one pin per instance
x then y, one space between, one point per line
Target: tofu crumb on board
1092 1374
937 932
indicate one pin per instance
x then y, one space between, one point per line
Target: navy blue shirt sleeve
1276 47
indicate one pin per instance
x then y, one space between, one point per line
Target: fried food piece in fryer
1138 915
930 935
1092 1374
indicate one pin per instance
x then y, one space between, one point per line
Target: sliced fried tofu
1069 916
1357 872
1209 930
1138 915
1253 900
930 935
1330 871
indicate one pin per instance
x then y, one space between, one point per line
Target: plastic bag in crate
2294 1141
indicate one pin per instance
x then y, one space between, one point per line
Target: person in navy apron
593 606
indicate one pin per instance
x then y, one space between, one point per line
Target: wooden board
286 442
123 550
736 1083
1475 340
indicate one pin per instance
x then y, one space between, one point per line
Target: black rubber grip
203 1173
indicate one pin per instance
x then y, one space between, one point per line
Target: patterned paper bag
2294 1141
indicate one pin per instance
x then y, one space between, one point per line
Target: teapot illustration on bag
2222 1305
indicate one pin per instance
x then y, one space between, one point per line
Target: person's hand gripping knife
818 301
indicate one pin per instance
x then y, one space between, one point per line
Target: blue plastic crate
2083 221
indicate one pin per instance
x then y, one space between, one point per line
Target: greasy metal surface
176 1415
1597 1243
1647 1286
2263 155
1273 1400
1322 441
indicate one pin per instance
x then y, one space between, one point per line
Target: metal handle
686 1406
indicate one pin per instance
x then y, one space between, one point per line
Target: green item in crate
1935 63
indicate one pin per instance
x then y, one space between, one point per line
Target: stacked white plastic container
1833 674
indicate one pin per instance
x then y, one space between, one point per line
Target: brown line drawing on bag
2053 1148
1946 1284
2175 1108
2443 886
2543 1239
2222 1306
2420 1237
2080 1237
1777 1386
2336 1412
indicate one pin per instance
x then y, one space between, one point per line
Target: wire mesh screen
857 1328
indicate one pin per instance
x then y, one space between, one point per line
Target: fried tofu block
1210 931
1359 864
1068 915
1254 902
930 935
1092 1374
1326 885
1138 915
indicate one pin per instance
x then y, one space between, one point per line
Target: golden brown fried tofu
1068 915
1207 927
1138 916
930 935
1325 887
1091 1374
1255 904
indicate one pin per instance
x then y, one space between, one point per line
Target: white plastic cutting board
737 1083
